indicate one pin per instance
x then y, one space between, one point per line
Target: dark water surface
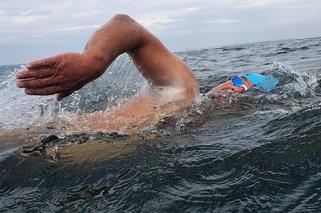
253 152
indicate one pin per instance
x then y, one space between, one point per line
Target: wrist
95 61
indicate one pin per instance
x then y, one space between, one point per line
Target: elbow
122 18
130 28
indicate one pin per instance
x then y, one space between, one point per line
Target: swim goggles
238 82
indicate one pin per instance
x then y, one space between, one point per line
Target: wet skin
65 73
228 86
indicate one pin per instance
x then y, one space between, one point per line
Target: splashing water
293 83
252 152
116 86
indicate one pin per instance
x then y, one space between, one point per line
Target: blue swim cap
266 83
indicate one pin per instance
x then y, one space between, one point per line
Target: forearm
121 34
156 63
65 73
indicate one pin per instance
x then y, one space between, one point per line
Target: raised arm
65 73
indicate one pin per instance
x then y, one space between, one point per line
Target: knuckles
28 92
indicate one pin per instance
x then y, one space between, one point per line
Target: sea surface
252 152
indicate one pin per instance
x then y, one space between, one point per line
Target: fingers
62 95
42 73
238 89
46 62
44 91
36 83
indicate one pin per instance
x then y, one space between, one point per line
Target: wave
24 111
115 87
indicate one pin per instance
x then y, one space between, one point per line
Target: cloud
265 3
279 6
3 12
31 24
223 21
75 28
155 21
158 20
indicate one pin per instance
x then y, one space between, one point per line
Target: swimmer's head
237 84
243 83
266 83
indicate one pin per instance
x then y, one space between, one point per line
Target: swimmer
245 82
170 79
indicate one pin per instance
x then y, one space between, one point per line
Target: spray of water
117 85
293 83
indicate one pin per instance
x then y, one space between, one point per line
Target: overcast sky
30 29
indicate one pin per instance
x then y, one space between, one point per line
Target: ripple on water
230 153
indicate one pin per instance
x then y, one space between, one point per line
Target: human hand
226 86
62 74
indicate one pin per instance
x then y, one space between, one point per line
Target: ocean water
251 152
